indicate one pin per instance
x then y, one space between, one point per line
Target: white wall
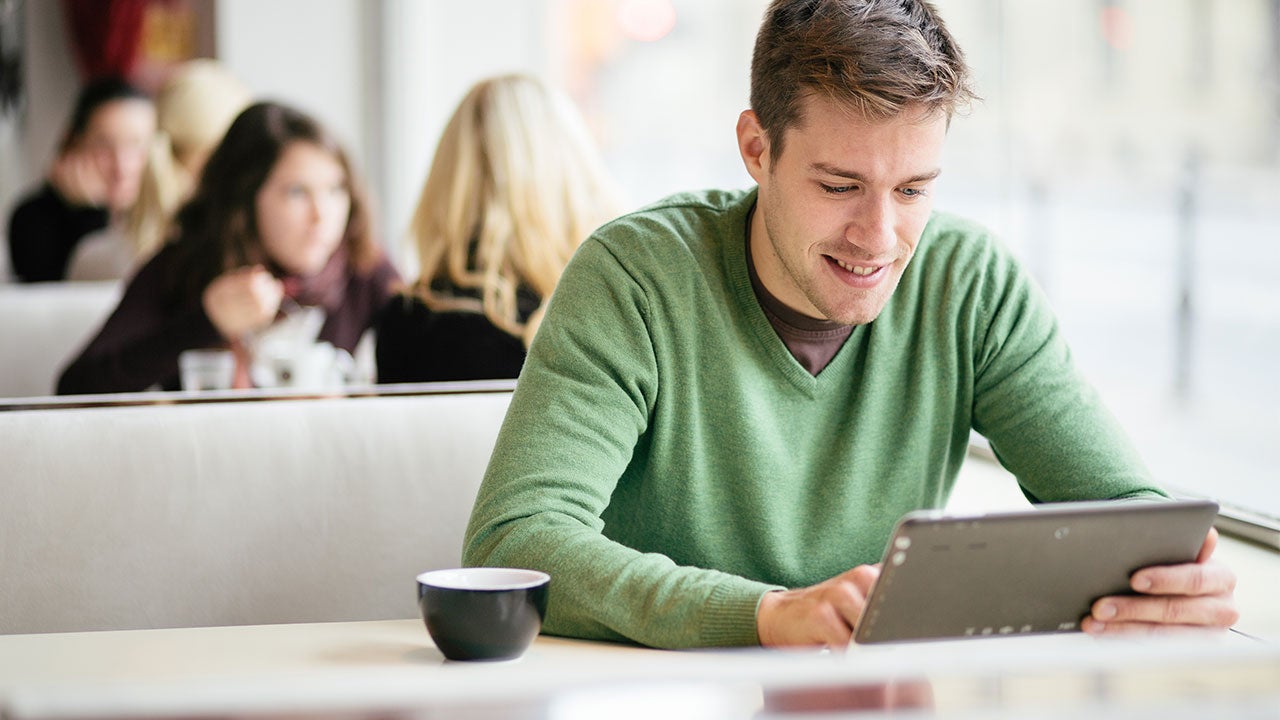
431 54
51 81
11 174
383 75
308 54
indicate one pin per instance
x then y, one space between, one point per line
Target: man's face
842 208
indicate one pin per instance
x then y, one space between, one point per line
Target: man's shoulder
953 228
679 222
679 247
959 243
956 258
709 202
962 265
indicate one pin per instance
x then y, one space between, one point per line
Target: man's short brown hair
877 57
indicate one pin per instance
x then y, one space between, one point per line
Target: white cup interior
484 579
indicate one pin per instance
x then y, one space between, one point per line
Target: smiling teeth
857 269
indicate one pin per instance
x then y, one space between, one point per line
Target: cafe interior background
1129 150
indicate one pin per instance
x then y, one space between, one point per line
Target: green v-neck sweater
668 461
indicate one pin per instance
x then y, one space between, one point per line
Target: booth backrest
235 513
42 325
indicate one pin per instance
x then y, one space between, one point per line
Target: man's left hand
1198 594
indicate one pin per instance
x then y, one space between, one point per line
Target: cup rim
482 579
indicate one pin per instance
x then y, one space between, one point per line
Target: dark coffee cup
483 613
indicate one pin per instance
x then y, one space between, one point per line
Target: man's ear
753 144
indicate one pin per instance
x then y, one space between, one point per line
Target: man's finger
1171 610
1190 579
862 576
834 627
844 596
1093 627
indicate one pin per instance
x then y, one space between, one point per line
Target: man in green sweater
735 395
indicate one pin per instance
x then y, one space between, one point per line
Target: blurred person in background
95 178
278 221
194 108
516 185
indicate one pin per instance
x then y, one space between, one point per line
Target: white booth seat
235 513
291 510
42 325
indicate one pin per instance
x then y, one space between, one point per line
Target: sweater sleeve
1045 422
139 344
576 423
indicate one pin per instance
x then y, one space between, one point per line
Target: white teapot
315 366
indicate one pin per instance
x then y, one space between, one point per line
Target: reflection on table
390 669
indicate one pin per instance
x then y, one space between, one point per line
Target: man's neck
811 341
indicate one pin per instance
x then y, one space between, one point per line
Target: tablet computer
1020 572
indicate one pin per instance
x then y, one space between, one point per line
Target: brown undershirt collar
813 342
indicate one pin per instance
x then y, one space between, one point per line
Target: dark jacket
418 344
138 347
43 232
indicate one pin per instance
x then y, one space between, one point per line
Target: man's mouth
862 270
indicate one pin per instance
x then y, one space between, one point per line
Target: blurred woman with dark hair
96 176
277 220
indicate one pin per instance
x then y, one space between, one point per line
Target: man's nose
871 229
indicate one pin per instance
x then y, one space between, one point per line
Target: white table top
393 664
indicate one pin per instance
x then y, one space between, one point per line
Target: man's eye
838 189
913 192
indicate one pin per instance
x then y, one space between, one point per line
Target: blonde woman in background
515 187
193 111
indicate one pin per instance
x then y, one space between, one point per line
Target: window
1129 150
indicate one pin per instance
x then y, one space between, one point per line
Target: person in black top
277 220
516 185
96 176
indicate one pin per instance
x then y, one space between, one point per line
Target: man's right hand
242 301
822 614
